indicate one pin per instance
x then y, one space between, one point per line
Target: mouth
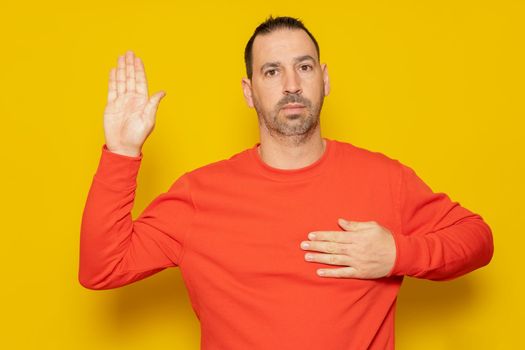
293 106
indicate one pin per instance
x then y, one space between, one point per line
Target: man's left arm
438 239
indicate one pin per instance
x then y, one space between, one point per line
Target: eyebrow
296 60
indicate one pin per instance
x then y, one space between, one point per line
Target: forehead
282 45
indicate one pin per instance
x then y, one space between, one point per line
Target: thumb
347 225
151 107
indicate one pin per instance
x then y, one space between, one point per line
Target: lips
293 105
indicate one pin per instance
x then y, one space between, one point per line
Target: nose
292 84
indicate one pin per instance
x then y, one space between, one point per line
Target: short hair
268 26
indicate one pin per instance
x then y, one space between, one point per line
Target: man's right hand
129 116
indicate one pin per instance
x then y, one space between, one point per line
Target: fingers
334 236
129 76
130 71
112 89
343 272
151 108
121 76
331 259
140 77
327 247
355 225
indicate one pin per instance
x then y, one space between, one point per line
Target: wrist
134 153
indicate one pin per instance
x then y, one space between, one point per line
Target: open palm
129 116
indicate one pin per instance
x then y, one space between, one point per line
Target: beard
298 125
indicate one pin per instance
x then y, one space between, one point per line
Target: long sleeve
439 239
114 249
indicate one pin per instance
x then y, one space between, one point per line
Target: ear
247 91
326 79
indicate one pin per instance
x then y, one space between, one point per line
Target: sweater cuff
117 170
408 255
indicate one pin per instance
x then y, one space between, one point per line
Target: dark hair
269 25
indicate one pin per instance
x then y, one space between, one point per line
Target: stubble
294 128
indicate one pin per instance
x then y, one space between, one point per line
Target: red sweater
234 228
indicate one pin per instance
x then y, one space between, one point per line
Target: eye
270 72
306 67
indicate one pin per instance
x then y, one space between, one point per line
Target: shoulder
362 157
223 168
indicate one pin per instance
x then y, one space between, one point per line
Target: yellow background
438 85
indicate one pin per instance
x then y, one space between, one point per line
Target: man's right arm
114 249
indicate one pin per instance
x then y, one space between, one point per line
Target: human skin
129 116
286 69
365 249
290 138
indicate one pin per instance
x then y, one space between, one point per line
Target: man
300 242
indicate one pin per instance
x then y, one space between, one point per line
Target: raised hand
129 116
367 250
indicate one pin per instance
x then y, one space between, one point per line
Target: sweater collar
303 173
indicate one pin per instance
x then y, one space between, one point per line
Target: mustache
293 98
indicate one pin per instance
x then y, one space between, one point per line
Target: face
288 83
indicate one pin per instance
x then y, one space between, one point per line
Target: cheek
268 100
268 94
317 93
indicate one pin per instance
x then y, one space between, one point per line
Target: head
285 83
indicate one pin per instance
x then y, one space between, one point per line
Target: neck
291 152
